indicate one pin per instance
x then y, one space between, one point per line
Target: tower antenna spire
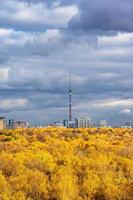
70 97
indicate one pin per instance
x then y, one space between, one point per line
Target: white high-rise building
83 122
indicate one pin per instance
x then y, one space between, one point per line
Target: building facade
83 122
11 124
19 124
3 123
65 123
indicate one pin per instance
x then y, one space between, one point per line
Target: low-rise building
20 124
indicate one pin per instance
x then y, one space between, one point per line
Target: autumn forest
66 164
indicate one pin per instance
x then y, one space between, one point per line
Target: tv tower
70 99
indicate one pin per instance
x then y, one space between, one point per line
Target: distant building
127 125
20 124
68 124
83 122
102 123
11 124
65 123
3 123
71 124
56 124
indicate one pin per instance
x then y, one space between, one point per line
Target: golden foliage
66 164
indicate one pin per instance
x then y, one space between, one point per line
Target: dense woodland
66 164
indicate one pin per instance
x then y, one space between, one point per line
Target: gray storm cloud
104 15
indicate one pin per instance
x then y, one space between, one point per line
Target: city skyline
41 42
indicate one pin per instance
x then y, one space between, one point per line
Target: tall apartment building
83 122
2 123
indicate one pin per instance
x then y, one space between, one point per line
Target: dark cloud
104 15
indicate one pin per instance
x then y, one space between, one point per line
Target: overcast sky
41 42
